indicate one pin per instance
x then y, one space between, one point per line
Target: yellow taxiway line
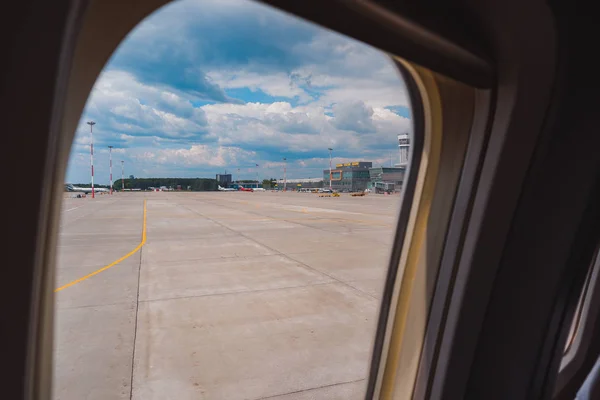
132 252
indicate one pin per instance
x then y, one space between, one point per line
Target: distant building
351 177
403 147
387 177
300 183
224 180
245 184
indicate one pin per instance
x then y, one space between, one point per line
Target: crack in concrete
309 389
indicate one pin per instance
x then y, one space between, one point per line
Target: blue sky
207 86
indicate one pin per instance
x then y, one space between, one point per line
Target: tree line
193 184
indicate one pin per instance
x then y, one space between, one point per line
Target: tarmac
219 295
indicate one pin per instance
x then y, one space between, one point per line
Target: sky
202 87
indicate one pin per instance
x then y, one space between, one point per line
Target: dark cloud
176 45
293 123
353 116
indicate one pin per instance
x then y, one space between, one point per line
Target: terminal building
348 177
391 179
386 179
360 175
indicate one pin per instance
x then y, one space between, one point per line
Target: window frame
444 117
83 48
577 360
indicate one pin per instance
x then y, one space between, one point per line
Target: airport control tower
403 146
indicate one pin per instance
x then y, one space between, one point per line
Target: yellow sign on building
348 164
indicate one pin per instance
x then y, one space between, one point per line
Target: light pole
284 177
330 149
257 176
91 124
122 176
110 167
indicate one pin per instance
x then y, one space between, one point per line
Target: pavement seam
282 207
210 259
137 307
393 213
118 303
331 276
294 220
85 215
239 292
280 253
255 213
110 245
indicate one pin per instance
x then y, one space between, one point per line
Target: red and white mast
284 171
110 167
91 124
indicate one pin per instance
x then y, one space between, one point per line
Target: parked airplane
86 190
222 189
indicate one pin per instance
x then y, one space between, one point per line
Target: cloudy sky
212 86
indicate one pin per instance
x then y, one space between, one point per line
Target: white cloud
276 84
122 105
346 69
337 91
354 127
115 87
338 68
196 155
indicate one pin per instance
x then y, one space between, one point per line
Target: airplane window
229 208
